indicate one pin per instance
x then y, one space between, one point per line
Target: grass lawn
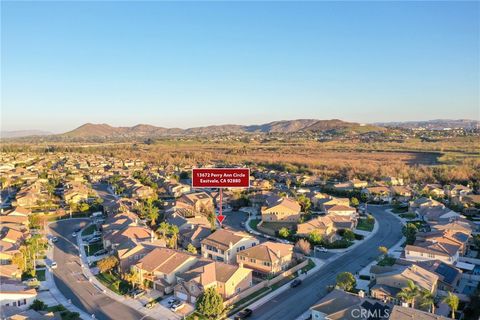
40 275
309 266
114 282
400 210
89 230
408 215
253 224
365 224
92 248
387 261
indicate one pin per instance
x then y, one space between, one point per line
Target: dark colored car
245 313
295 283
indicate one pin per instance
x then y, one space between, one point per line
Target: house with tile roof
223 245
280 209
268 258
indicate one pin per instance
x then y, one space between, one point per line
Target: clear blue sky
190 64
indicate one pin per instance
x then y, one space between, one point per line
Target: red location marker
220 219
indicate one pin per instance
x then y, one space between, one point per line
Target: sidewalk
158 312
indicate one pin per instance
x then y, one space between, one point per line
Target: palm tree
163 229
409 293
452 301
428 300
173 231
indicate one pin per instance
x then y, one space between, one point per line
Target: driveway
294 302
234 219
71 282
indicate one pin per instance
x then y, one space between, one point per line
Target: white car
53 265
177 306
54 239
321 249
74 234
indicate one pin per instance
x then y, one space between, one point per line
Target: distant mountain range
23 133
439 124
288 126
91 130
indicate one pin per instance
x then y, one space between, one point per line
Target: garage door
193 299
181 295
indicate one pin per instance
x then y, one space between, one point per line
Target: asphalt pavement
292 303
72 283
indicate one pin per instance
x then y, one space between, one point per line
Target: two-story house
223 245
268 258
280 209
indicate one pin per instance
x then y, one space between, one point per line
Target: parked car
171 301
295 283
137 293
177 306
54 239
53 265
245 313
321 249
151 304
100 252
74 234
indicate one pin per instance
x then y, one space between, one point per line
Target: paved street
73 284
293 302
234 219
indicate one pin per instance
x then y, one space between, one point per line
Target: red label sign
221 178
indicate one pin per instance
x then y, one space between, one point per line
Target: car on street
245 313
177 306
150 304
53 265
321 249
54 239
295 283
74 234
171 301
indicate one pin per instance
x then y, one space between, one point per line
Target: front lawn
114 282
337 244
253 223
309 266
366 224
387 261
92 248
40 275
408 215
89 230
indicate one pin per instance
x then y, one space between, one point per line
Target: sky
186 64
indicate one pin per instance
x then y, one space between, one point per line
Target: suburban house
16 294
448 275
447 236
423 202
388 281
437 213
159 267
228 280
194 235
401 193
130 252
341 305
186 219
380 193
431 250
196 202
455 190
280 209
404 313
223 245
269 258
435 190
333 201
340 210
323 225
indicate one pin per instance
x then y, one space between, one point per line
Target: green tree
84 207
346 281
383 250
38 305
315 237
191 249
409 293
410 232
354 202
452 301
163 229
284 233
173 231
304 202
348 235
210 304
132 277
427 300
152 212
107 264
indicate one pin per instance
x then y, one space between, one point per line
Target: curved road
71 282
294 302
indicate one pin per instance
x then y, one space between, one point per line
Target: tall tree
210 304
410 232
452 301
427 300
107 264
409 293
346 281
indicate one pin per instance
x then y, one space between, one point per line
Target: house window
252 260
